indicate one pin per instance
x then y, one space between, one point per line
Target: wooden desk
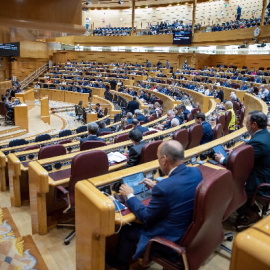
28 98
91 117
251 248
45 110
21 116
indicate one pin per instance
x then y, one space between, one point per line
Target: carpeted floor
17 252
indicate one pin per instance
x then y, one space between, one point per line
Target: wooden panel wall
128 57
33 49
25 66
58 11
251 61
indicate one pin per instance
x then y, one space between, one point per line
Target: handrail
34 75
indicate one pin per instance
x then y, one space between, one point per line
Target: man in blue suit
170 210
260 140
136 125
208 134
92 131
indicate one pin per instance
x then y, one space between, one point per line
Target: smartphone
212 161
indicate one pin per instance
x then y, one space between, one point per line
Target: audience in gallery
92 128
166 205
135 135
256 124
208 134
113 31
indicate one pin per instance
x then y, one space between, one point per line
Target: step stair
9 129
13 134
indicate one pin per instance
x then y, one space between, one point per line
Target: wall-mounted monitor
10 49
182 37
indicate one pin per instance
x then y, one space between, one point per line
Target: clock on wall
257 31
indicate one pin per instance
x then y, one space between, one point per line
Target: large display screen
182 37
10 49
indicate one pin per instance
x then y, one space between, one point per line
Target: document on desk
116 157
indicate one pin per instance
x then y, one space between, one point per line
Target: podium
21 116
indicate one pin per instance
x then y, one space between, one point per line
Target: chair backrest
103 133
228 117
43 137
81 129
195 110
17 142
105 111
53 150
32 147
221 120
190 117
65 142
3 109
182 136
195 135
205 232
218 131
86 165
129 126
121 138
242 116
149 151
65 132
149 132
117 117
91 145
240 163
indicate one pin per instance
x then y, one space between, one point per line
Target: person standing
133 105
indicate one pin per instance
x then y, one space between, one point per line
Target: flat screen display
182 37
10 49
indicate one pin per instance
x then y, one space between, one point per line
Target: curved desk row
91 232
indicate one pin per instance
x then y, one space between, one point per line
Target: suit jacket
134 156
170 210
132 106
208 134
261 170
142 129
141 117
91 138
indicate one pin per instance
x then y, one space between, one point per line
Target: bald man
170 210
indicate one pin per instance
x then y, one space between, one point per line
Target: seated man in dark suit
92 131
185 111
102 128
256 124
208 134
139 115
135 151
170 210
133 105
136 125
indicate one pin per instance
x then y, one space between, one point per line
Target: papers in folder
116 157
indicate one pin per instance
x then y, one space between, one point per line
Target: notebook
220 149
